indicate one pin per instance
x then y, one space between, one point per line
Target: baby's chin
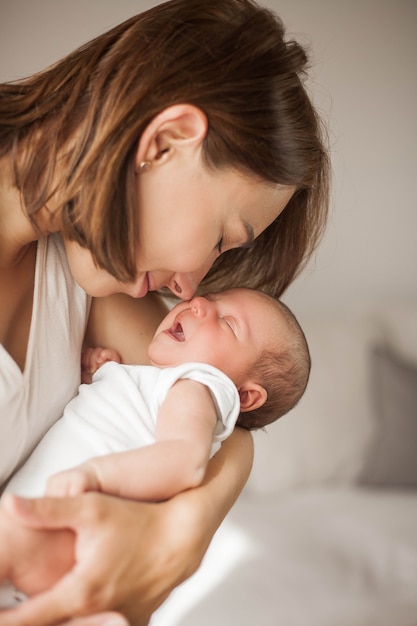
158 360
161 364
161 360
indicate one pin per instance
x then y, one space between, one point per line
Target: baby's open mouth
176 331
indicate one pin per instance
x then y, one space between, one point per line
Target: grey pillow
392 460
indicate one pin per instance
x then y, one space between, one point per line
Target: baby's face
227 330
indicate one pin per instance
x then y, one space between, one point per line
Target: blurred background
325 533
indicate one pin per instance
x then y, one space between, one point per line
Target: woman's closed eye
227 244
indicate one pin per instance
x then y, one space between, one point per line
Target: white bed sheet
318 557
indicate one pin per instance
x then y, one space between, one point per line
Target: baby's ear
252 396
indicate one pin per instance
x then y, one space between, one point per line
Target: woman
179 149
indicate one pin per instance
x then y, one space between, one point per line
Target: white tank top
32 400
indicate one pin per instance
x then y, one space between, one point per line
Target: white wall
364 82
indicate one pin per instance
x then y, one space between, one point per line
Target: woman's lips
143 289
151 284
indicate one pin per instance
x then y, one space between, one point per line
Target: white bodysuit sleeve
223 391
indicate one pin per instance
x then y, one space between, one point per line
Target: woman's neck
17 232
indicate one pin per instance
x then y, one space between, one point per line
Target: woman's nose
185 285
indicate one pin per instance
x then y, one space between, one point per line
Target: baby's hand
72 482
93 358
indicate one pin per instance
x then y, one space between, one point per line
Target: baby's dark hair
283 370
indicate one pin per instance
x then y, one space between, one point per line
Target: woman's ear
252 396
176 127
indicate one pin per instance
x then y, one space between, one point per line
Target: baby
147 432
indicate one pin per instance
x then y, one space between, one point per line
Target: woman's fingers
52 609
121 562
22 618
43 512
74 594
103 619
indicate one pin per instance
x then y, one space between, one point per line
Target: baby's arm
175 462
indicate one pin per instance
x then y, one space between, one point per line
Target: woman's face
188 216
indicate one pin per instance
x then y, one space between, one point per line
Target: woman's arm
131 555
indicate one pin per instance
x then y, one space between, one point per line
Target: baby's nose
199 306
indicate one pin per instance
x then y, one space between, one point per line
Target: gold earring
144 166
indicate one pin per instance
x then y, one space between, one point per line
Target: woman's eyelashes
224 244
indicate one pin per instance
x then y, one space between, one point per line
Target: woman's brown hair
227 57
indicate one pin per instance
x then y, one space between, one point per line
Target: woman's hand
101 619
110 557
130 555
